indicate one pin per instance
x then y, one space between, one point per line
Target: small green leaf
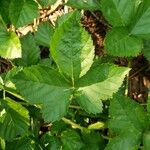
10 46
141 22
46 3
44 34
71 140
14 120
119 13
46 87
30 51
119 42
72 47
128 121
24 14
99 84
96 126
85 4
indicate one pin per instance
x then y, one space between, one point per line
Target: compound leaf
46 87
72 47
14 120
10 46
99 84
119 43
23 12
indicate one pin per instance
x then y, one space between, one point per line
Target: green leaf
146 140
24 14
44 34
30 51
14 120
72 48
99 84
46 3
119 42
146 49
119 12
93 141
21 144
2 144
141 22
51 142
10 46
85 4
126 141
128 121
71 140
46 87
4 10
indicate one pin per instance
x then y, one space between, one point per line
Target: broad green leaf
44 34
14 120
23 12
119 12
46 3
4 10
72 48
30 51
93 141
119 42
146 140
85 4
146 49
46 87
141 22
10 46
71 140
99 84
128 121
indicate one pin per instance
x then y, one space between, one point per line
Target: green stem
4 94
127 78
74 107
73 124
